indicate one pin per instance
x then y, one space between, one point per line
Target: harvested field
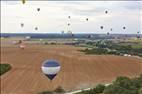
77 70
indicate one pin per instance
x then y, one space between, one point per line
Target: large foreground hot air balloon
50 68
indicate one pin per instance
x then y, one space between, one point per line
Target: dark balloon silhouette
101 27
107 33
36 28
69 24
69 17
106 11
72 35
38 9
124 27
23 1
22 24
138 32
86 19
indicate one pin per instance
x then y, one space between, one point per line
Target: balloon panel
50 70
50 63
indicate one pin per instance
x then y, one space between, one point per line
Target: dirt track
77 70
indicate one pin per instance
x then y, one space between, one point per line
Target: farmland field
77 69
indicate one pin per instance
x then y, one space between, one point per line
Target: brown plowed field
77 70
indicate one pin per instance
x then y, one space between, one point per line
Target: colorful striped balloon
50 68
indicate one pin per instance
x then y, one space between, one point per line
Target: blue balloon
50 68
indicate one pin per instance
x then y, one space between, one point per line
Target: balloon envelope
50 68
38 9
69 24
106 11
124 27
101 27
107 33
23 1
22 24
69 17
36 28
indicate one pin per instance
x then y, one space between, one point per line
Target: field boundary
77 91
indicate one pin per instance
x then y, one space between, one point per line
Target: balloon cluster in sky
69 31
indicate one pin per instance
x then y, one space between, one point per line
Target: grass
137 46
4 68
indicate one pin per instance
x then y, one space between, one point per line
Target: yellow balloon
23 1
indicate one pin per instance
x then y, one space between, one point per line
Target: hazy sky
53 16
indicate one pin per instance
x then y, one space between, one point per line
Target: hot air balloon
101 27
36 28
106 11
86 19
69 17
138 32
23 1
38 9
72 35
107 33
69 24
124 27
50 68
22 24
111 29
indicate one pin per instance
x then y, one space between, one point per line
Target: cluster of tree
108 47
98 51
122 85
4 68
